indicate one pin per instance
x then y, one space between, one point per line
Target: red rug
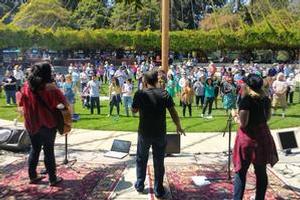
82 181
178 179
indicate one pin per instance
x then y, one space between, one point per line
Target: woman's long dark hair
40 75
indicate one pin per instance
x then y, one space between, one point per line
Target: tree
126 17
42 13
90 14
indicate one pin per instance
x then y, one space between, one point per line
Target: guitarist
40 123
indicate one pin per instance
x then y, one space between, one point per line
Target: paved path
89 146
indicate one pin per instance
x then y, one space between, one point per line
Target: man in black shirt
151 103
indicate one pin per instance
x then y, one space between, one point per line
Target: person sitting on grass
209 94
114 92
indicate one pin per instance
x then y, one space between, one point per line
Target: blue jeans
10 94
158 151
127 103
45 138
240 181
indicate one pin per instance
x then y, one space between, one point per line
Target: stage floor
202 154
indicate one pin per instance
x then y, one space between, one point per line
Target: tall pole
165 35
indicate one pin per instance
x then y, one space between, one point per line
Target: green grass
194 124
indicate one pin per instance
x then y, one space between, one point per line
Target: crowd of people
194 86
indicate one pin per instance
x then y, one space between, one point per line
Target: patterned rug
81 181
178 179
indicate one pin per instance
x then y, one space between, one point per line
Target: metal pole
66 150
229 146
165 35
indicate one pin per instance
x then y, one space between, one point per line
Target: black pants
45 138
199 99
290 97
240 181
184 105
115 101
95 102
208 102
158 151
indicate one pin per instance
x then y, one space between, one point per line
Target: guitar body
64 120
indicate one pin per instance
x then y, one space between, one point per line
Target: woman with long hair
40 123
187 97
114 95
254 142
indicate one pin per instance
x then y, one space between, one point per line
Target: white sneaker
202 115
209 117
108 115
283 115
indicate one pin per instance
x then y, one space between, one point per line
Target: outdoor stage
90 175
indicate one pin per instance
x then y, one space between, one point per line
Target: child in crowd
114 95
127 91
187 96
209 93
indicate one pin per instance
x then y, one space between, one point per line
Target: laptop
119 149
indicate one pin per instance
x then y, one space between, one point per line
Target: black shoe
36 179
57 181
139 189
160 193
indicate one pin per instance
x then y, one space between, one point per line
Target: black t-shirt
258 109
11 83
152 104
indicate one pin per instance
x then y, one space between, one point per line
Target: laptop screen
121 146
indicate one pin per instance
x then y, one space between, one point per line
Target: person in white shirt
280 87
83 80
291 82
127 90
94 86
19 76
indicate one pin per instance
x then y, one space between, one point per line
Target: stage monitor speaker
173 143
287 140
14 139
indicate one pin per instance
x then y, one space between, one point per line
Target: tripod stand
227 128
66 161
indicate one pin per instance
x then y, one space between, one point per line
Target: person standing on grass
254 142
171 85
93 86
151 103
114 92
187 97
127 91
199 91
68 90
39 121
209 94
229 94
217 85
9 84
280 87
291 82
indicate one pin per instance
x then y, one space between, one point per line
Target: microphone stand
229 128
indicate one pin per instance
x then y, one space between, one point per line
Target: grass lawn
193 124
